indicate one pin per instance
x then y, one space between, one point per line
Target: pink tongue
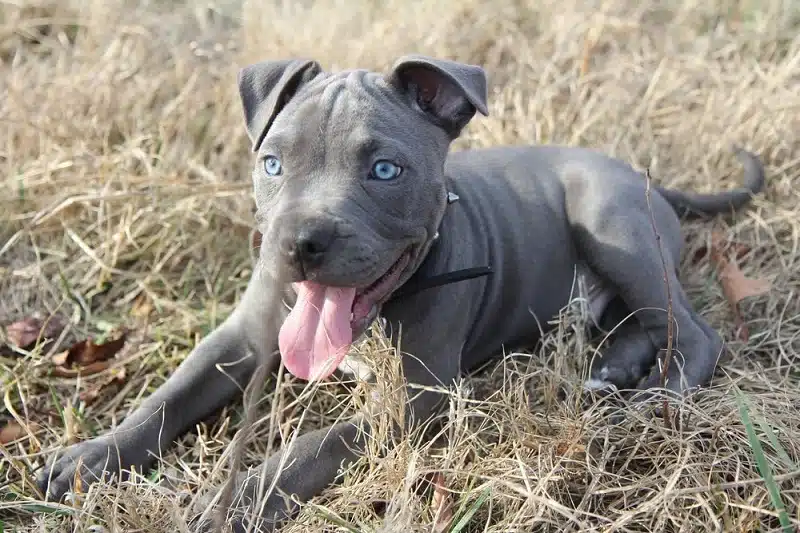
317 335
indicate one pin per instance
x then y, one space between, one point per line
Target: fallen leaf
442 504
740 249
738 286
88 397
13 431
735 285
24 333
92 368
255 240
87 352
60 359
142 306
570 449
116 378
77 483
85 357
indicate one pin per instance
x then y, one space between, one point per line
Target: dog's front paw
97 458
207 525
247 512
239 524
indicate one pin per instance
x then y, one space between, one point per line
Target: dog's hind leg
625 361
614 233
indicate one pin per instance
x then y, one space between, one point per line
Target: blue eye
385 170
272 165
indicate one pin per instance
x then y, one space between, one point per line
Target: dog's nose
308 246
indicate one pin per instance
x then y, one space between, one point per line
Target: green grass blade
38 508
465 501
762 463
464 520
335 520
775 443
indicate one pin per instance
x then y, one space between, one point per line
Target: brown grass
125 167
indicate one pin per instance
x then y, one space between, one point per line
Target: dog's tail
696 204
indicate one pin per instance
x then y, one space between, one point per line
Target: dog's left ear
265 88
449 92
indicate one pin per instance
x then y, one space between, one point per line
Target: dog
365 213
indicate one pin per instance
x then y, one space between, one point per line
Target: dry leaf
735 285
739 249
11 431
442 504
24 333
92 368
142 306
77 483
85 357
255 240
116 378
87 352
570 449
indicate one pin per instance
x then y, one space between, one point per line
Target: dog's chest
591 296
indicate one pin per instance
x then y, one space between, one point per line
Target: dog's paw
207 526
241 516
97 459
234 525
609 377
594 384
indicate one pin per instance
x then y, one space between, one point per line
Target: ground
126 204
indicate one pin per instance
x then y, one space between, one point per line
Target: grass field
126 203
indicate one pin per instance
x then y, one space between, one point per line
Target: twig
670 332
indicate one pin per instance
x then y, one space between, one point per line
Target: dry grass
125 167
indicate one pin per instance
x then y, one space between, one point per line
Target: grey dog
359 201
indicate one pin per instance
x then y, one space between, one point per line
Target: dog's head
349 185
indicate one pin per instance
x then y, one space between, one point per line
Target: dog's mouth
325 320
369 298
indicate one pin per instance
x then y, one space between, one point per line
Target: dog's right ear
265 88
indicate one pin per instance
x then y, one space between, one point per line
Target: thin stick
670 325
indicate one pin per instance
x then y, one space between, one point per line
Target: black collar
415 284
